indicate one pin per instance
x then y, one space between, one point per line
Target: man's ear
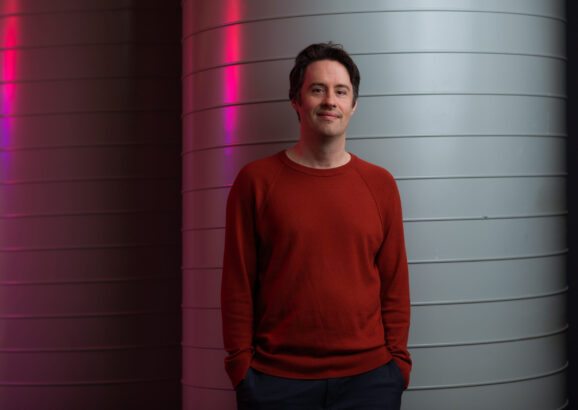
294 104
354 107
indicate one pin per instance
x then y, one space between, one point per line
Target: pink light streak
8 76
231 72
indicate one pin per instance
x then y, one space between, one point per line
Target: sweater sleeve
392 264
238 279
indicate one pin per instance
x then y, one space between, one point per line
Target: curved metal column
464 103
89 205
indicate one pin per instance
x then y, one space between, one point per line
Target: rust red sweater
315 280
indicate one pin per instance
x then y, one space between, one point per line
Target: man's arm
395 302
238 279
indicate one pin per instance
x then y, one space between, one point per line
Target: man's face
326 100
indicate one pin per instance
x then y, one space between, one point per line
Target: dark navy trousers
378 389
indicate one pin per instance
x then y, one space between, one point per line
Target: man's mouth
328 115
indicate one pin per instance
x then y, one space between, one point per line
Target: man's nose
329 98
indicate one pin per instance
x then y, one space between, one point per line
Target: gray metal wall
89 204
464 102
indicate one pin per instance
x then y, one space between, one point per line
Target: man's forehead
322 70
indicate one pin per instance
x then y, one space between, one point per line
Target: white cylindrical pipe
89 205
464 102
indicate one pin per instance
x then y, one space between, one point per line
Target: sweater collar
322 172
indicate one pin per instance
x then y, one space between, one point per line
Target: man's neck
323 156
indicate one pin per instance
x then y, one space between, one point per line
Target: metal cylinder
89 205
464 102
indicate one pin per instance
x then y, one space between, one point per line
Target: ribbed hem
320 367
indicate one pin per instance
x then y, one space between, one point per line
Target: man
315 294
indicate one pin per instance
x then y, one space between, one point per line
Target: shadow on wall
90 205
572 161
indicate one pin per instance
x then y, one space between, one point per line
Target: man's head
324 88
316 52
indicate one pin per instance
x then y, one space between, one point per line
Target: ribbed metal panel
89 205
464 102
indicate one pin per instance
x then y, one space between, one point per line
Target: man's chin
330 134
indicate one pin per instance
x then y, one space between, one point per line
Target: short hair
316 52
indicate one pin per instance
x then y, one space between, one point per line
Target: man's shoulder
263 164
259 172
373 173
261 167
380 183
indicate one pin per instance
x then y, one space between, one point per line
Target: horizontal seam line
90 179
235 104
417 178
83 11
87 247
210 188
170 144
88 383
295 16
92 78
501 53
276 100
201 308
184 383
487 217
463 135
418 220
245 144
434 261
378 137
72 113
493 382
437 177
88 348
494 300
92 315
440 303
190 346
167 43
190 74
490 259
537 95
493 341
91 281
13 216
209 228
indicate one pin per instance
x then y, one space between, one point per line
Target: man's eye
341 92
317 90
